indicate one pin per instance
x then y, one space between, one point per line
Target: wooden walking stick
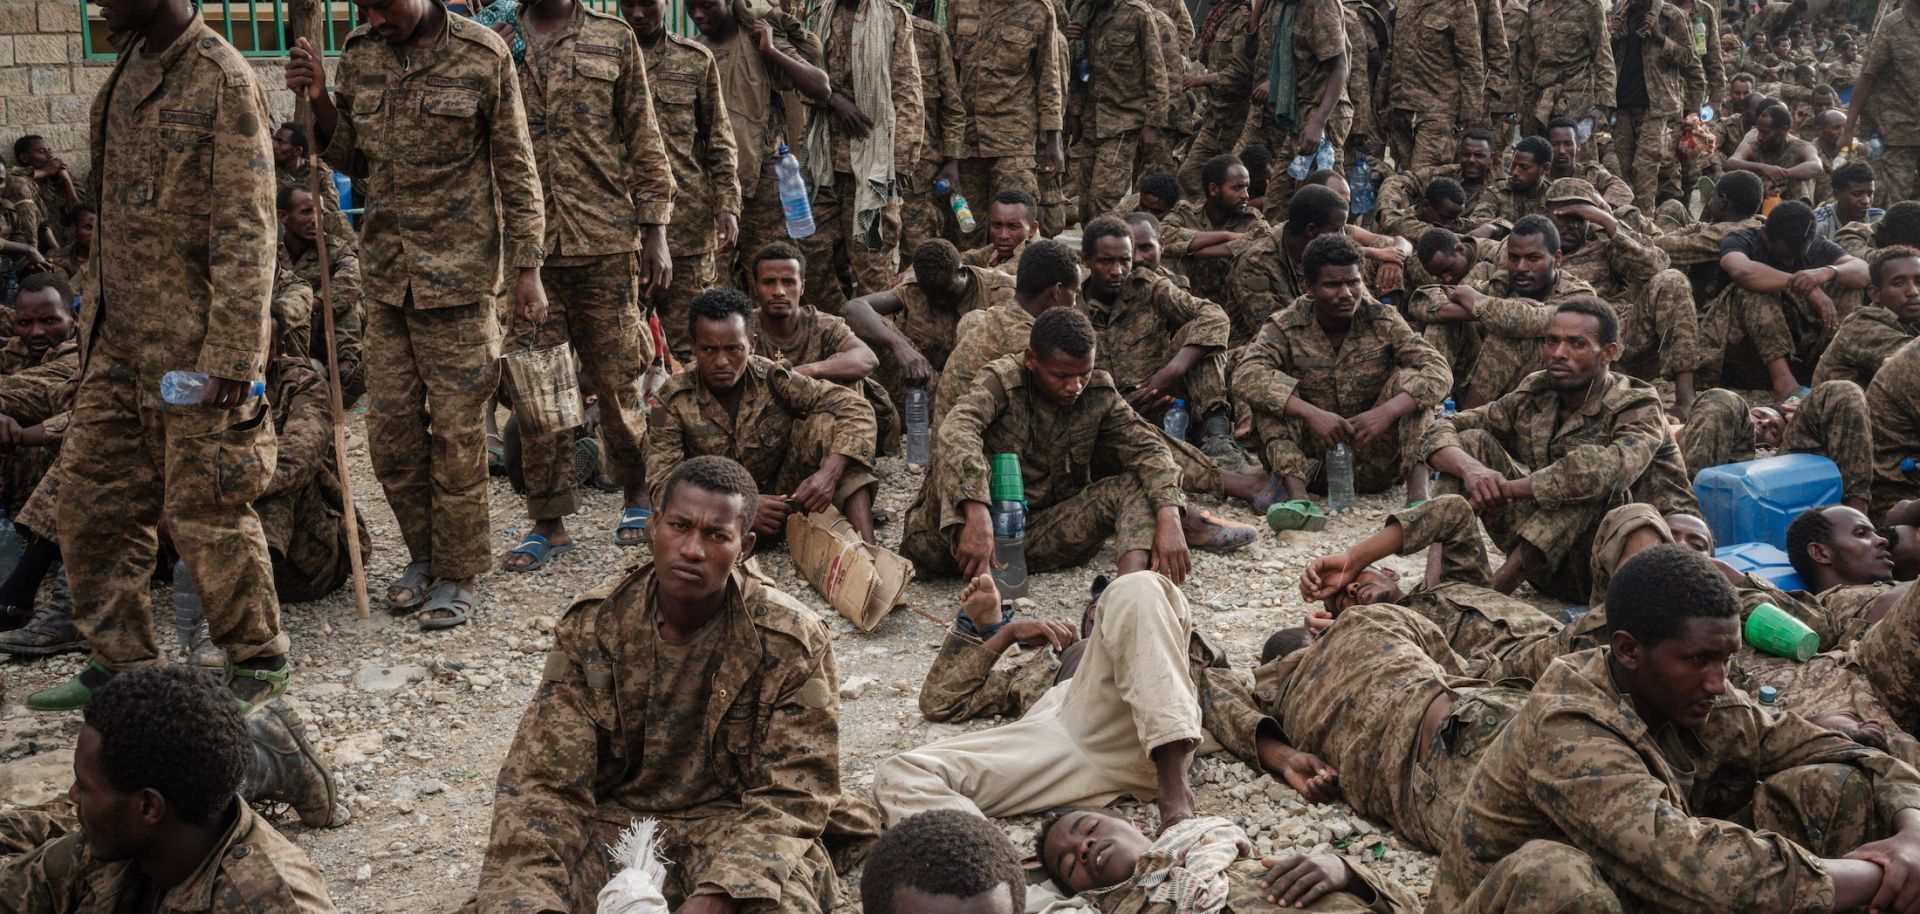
335 402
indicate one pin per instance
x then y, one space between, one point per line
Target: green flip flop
1298 514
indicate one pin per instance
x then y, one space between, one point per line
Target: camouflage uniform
979 338
1659 331
1778 325
820 336
301 510
1011 67
1482 625
1792 152
1226 59
606 180
1563 62
47 865
1893 400
1401 192
433 275
755 95
924 214
1070 512
1207 274
1319 35
1127 90
984 255
184 279
934 330
1510 329
698 133
1616 448
34 391
833 243
1893 58
731 742
1379 359
1368 36
292 309
783 428
349 312
1529 839
1436 73
49 198
341 238
1147 324
1831 422
1263 279
1864 342
1357 696
1668 68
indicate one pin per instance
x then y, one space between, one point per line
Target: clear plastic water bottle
1340 478
1875 147
919 434
1009 527
1323 156
1301 167
1176 421
187 610
962 213
183 388
1360 184
793 194
1583 129
1706 114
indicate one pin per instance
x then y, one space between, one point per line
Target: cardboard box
861 582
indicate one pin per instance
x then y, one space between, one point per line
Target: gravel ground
416 724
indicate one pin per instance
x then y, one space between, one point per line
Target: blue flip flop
537 546
632 519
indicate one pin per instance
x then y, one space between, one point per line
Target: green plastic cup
1007 484
1771 629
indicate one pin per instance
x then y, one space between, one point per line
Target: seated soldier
1386 254
1831 421
926 308
1157 195
1265 276
1202 864
1439 207
1544 463
297 223
1259 163
1893 400
1775 289
1659 330
158 821
1852 199
1847 567
1444 258
1013 219
1525 193
1588 800
1067 422
1337 367
809 342
1474 172
70 258
1498 317
1145 231
1786 162
1053 281
1146 693
689 690
1694 247
1200 234
1869 336
38 368
808 443
943 862
1900 226
1563 137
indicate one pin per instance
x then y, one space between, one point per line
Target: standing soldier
1436 74
692 111
922 211
1888 90
184 177
1226 50
1120 110
1653 49
609 193
1299 102
1012 72
428 113
1564 64
859 144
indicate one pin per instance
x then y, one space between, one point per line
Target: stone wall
47 88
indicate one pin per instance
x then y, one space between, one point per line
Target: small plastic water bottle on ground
1176 421
793 194
1340 478
919 435
184 388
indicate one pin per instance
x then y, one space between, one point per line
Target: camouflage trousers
1057 203
1827 809
306 533
1289 448
1832 682
1893 399
692 275
1064 534
1886 654
1832 422
810 448
981 178
592 303
1778 325
1645 144
1659 328
699 848
131 461
834 246
1422 139
1896 174
1104 170
431 375
1219 134
1564 535
1437 779
762 222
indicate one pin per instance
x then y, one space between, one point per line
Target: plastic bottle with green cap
1009 493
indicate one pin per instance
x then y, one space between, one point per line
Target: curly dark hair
777 250
1162 185
943 852
1062 330
1046 263
1102 227
1444 190
1656 592
718 305
1433 241
937 258
1876 268
716 474
175 730
1333 250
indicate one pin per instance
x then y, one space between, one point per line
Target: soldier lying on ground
1831 420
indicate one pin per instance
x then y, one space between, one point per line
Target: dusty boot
287 769
190 622
51 631
200 649
1217 442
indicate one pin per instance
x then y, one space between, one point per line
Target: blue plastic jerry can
1753 502
1763 560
